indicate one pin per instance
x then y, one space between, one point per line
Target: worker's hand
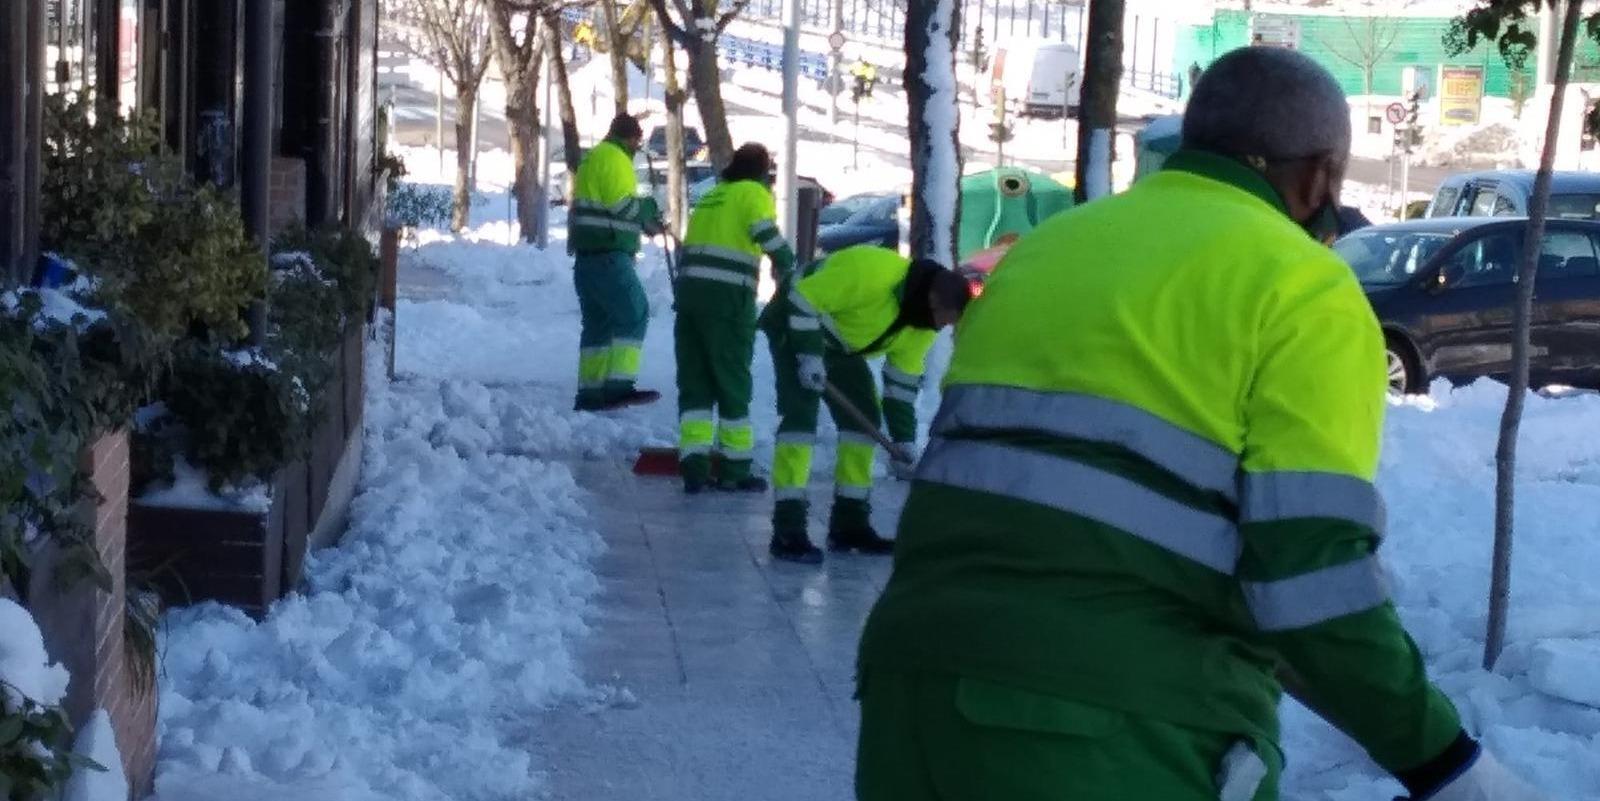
905 471
813 376
1484 780
655 227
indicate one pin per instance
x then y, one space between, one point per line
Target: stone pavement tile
739 670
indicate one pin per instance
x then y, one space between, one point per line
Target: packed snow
190 488
420 646
26 672
97 742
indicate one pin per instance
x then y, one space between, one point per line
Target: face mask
1324 223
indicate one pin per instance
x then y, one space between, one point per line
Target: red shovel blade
664 462
656 462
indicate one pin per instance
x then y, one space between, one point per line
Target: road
414 125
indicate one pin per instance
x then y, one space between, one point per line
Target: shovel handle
895 451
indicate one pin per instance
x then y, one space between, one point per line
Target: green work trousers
614 315
714 353
797 436
936 737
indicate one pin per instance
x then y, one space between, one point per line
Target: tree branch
727 19
674 30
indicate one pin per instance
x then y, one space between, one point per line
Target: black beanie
925 279
625 126
751 162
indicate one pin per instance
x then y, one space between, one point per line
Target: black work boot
745 484
794 546
863 540
850 528
632 397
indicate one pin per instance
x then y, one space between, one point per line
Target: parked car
699 190
869 219
1506 193
656 143
1443 289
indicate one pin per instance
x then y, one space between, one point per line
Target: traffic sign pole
835 77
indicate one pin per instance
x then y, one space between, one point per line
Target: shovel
657 461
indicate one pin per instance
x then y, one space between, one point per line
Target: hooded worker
1149 489
731 229
859 303
604 236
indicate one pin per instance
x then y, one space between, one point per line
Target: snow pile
57 306
423 646
190 488
97 742
1540 710
1500 145
25 669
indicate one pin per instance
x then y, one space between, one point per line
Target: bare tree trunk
677 197
705 79
571 143
522 113
519 67
617 44
466 107
1511 421
1097 108
931 37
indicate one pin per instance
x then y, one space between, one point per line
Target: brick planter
249 559
83 626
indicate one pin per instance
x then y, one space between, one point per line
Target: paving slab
732 674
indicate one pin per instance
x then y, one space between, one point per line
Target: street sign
836 41
1275 31
1396 113
1460 95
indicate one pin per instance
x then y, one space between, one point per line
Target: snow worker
859 303
1149 486
604 234
731 228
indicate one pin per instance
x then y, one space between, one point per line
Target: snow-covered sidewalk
733 674
514 615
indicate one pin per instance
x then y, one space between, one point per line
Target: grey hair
1268 102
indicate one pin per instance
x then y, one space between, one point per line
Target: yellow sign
1460 95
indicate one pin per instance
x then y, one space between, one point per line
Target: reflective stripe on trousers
593 364
624 362
695 432
736 438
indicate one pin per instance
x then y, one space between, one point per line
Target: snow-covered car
868 219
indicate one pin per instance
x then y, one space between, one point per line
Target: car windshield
1585 206
844 210
1386 258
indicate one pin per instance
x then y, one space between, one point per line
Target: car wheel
1405 376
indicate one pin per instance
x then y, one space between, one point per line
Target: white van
1040 78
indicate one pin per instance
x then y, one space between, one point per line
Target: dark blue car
870 219
1443 289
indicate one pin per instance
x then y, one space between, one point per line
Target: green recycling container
1000 205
